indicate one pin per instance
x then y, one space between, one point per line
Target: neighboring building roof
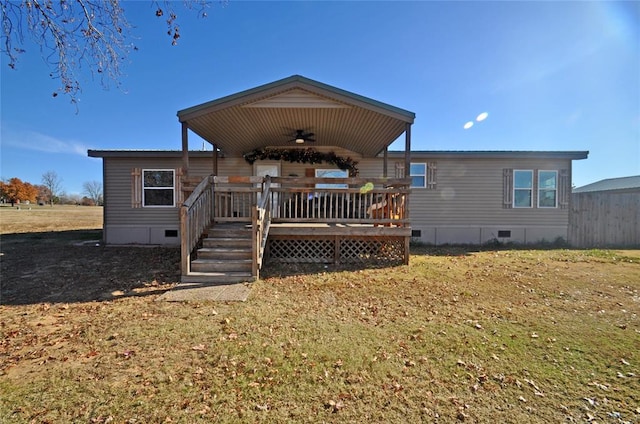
270 115
611 184
435 154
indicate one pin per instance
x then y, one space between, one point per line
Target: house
300 171
606 213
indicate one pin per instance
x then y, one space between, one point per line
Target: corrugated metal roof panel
623 183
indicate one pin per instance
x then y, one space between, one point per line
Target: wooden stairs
225 256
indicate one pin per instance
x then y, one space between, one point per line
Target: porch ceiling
269 115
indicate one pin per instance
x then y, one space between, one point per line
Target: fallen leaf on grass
199 347
599 385
335 406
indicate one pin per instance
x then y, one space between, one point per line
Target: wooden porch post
407 151
185 149
385 163
215 160
407 174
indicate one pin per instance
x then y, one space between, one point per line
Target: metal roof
269 115
416 154
623 183
498 154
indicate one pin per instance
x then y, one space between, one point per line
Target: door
271 169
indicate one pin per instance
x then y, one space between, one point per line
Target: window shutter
431 175
136 188
399 170
564 188
507 188
178 187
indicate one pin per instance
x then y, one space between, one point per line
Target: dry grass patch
35 219
505 336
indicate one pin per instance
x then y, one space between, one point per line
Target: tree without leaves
53 183
79 33
93 190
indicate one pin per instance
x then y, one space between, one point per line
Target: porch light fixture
299 140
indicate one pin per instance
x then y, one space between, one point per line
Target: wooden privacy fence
602 219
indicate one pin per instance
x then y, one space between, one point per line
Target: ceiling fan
302 137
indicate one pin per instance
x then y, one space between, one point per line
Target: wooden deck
296 220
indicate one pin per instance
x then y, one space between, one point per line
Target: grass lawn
35 218
511 336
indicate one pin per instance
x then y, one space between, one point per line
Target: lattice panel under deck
372 249
301 250
378 250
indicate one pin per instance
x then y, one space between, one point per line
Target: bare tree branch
93 190
76 34
53 184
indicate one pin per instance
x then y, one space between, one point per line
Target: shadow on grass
74 266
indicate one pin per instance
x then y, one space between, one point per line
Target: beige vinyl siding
117 193
470 192
117 186
467 205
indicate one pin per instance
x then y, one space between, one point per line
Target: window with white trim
522 188
547 189
418 173
158 188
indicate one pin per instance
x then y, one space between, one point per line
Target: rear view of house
305 169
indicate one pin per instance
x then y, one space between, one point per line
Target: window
547 189
158 188
418 175
522 189
331 173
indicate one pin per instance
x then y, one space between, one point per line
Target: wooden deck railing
340 200
196 214
260 224
235 197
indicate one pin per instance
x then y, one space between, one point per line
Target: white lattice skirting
323 249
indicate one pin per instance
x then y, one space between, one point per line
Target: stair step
217 277
216 265
229 232
224 253
226 242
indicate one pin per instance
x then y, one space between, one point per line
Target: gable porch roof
270 114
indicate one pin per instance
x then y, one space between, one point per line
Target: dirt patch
69 266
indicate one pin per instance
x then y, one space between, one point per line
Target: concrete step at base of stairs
217 277
217 265
227 253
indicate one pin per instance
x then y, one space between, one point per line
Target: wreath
308 155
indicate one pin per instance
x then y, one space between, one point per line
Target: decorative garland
308 155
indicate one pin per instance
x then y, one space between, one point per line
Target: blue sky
550 75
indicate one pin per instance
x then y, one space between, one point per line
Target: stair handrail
196 214
261 222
